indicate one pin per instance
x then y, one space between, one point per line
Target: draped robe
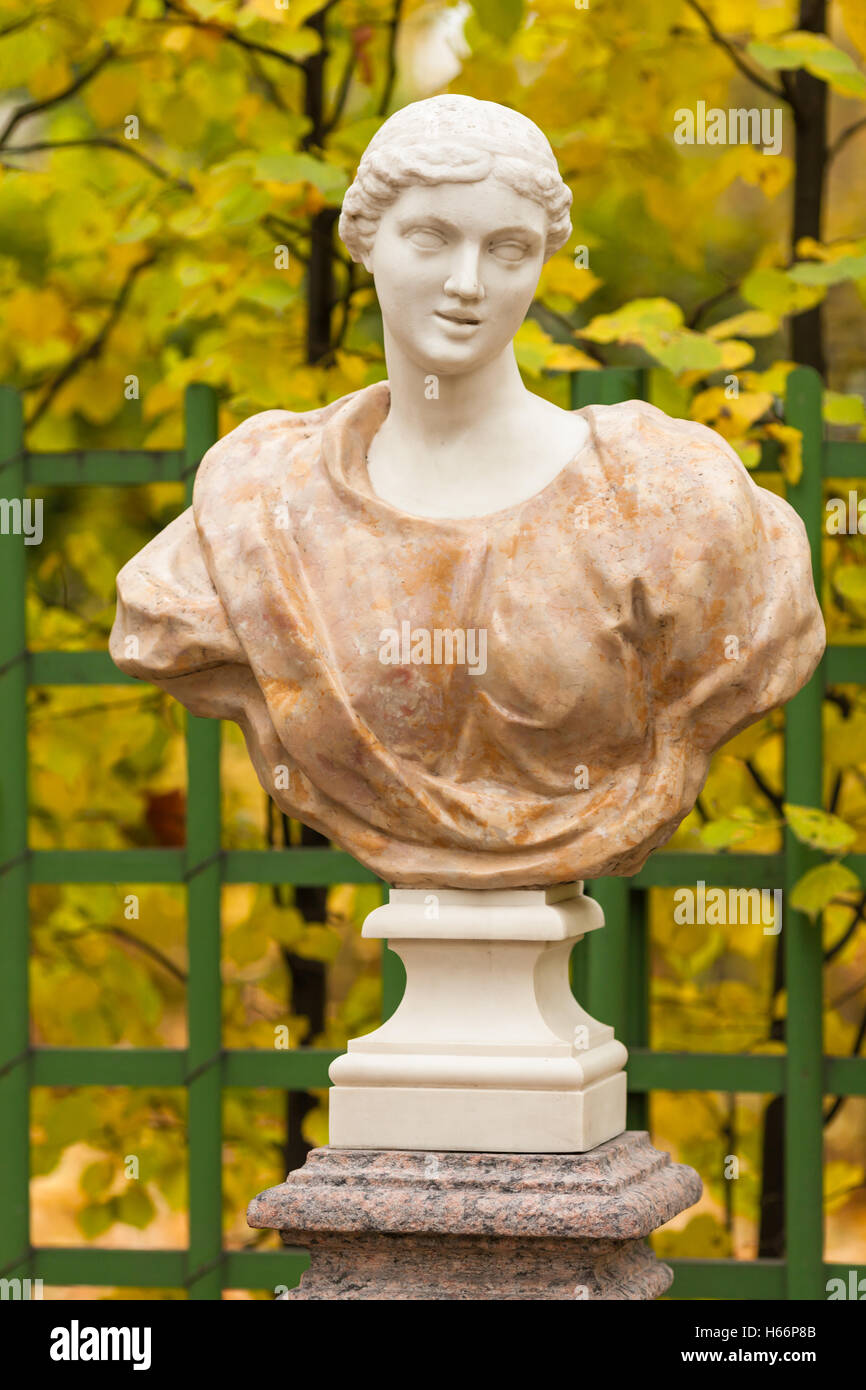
642 608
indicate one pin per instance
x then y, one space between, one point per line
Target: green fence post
804 1206
609 386
204 990
637 1030
14 908
605 968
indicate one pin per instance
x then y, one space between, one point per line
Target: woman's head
455 208
453 139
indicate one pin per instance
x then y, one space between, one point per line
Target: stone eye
426 238
509 250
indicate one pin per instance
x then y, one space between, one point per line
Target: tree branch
274 226
391 58
93 349
779 92
840 1100
262 77
713 299
342 91
30 108
103 142
16 25
149 950
849 931
775 800
842 140
193 22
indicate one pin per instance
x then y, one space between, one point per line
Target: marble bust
478 641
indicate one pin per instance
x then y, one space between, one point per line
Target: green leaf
820 829
839 409
135 1208
271 294
139 229
242 205
97 1177
819 886
96 1218
777 293
720 834
501 18
828 272
247 943
284 167
634 320
656 325
849 581
817 54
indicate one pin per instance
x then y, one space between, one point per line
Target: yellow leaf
854 19
95 391
772 290
561 276
751 323
735 354
50 79
770 173
808 249
749 451
159 398
109 95
732 418
177 40
532 346
840 1178
36 314
566 358
101 10
791 458
774 379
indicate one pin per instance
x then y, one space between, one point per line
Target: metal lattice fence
611 966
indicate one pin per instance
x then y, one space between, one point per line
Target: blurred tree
170 178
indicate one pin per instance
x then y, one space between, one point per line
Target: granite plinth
389 1224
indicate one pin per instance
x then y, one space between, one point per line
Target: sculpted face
456 266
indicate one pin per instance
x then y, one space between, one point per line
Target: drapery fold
644 606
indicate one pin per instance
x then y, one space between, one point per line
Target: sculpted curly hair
453 139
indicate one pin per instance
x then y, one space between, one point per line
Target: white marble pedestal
488 1051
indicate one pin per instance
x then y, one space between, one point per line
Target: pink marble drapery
642 608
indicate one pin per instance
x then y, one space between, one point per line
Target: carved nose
465 282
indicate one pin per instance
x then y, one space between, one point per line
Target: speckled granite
383 1224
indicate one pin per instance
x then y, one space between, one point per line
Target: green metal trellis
612 966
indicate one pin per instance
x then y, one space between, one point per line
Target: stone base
386 1224
441 1118
488 1051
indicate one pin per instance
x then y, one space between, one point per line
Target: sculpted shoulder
658 467
261 451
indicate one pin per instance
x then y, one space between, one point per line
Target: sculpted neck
443 412
466 444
